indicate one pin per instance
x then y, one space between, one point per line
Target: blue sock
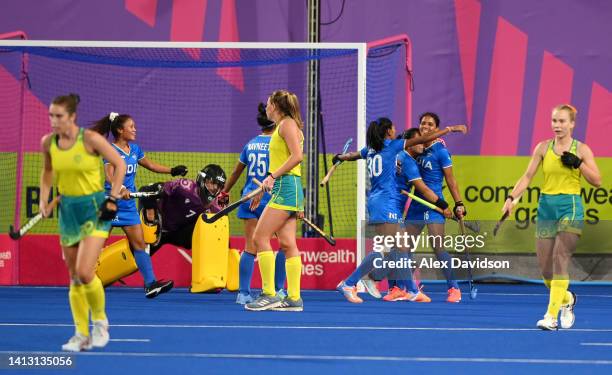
143 261
279 270
364 268
447 271
245 270
408 282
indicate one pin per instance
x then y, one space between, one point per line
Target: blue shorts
383 210
244 212
127 214
420 214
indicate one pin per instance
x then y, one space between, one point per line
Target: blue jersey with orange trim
256 156
432 162
381 167
131 159
407 171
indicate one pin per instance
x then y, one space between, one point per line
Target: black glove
570 160
107 212
440 203
457 205
179 170
336 159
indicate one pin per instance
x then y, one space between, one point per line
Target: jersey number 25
257 165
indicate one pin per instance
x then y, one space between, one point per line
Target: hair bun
76 97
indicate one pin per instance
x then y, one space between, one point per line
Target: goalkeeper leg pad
116 262
209 253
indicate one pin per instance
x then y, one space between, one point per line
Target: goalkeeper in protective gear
176 210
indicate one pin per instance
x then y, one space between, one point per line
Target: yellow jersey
559 179
279 153
77 172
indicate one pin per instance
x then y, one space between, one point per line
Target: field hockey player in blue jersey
383 200
123 129
436 166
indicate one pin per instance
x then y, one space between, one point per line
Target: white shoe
99 335
548 323
370 287
77 343
567 317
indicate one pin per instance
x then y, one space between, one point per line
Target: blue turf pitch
183 333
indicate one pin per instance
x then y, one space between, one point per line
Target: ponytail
110 124
288 104
377 132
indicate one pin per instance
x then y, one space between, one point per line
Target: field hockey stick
503 218
333 167
17 234
330 240
473 290
232 206
474 226
145 194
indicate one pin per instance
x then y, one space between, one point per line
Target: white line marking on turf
131 340
334 357
596 343
330 328
332 291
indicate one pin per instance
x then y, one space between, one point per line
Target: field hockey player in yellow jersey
74 157
560 212
285 206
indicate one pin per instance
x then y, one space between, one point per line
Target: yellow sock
293 267
567 298
79 308
266 269
558 291
94 292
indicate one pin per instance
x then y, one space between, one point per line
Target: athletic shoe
548 323
396 294
158 287
454 295
281 294
243 299
290 305
99 334
77 343
263 302
349 292
420 297
567 317
371 288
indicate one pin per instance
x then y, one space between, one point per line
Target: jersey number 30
257 165
374 166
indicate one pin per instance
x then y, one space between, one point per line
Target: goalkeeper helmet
210 180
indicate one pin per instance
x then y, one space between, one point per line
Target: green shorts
559 213
78 218
287 194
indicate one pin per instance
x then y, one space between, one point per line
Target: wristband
440 203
